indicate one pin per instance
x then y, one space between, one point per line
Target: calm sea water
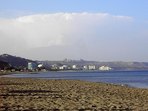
132 78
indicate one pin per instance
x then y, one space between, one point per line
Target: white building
85 67
63 67
91 67
105 68
74 66
54 67
32 66
40 65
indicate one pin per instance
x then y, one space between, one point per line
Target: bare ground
67 95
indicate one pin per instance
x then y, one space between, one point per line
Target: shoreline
57 78
9 73
41 94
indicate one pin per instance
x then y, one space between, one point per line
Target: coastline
41 94
9 73
53 73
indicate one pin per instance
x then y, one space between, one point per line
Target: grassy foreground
69 95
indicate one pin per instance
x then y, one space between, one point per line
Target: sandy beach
69 95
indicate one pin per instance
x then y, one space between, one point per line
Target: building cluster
35 67
79 67
105 68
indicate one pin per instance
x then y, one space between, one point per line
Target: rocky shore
68 95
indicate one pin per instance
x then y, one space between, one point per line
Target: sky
100 30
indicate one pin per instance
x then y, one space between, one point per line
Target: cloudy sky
101 30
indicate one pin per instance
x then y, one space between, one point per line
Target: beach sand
69 95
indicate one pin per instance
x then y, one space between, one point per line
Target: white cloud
51 29
79 34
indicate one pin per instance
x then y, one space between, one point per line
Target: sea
138 79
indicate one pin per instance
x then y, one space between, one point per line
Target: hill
15 61
4 65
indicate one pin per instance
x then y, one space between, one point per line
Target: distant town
9 63
63 67
37 66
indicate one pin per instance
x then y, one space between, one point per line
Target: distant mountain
15 61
